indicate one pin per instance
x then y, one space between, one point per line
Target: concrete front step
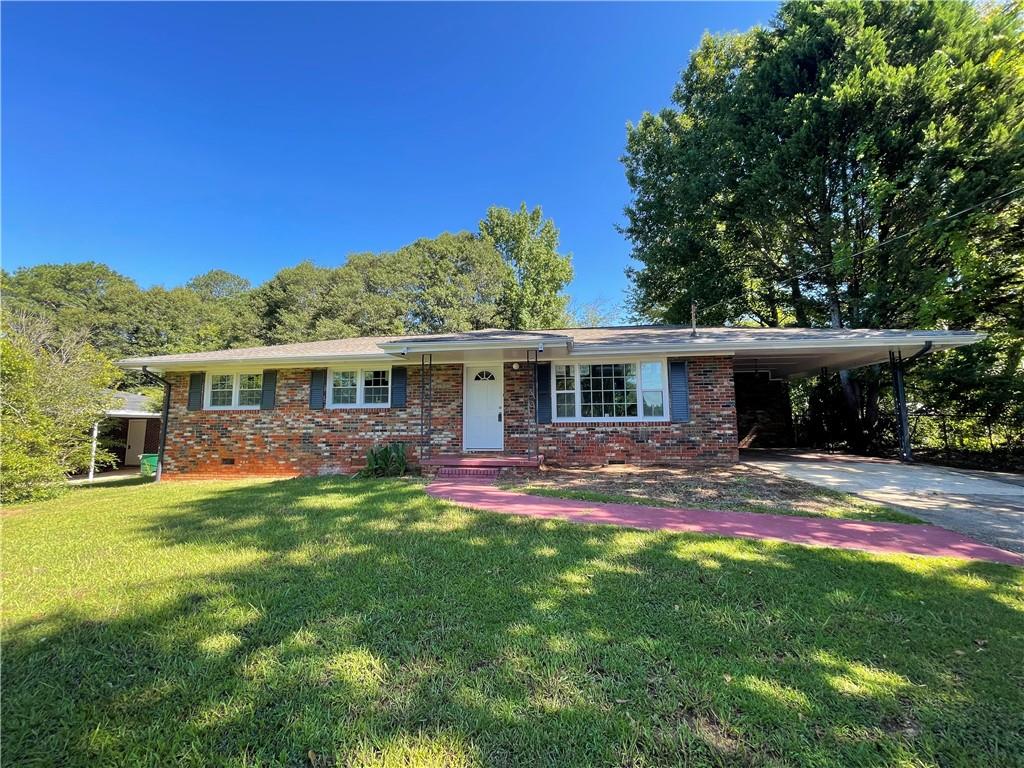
477 461
477 473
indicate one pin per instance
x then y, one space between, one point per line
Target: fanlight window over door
484 376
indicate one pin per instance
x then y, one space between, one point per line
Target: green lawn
329 621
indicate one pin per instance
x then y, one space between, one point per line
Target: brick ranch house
575 396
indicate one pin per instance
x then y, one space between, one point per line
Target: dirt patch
740 487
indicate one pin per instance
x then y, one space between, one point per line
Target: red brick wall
709 438
293 440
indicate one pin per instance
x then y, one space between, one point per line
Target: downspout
920 353
165 412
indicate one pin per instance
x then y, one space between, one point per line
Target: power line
891 240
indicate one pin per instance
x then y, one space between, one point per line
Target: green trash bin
147 464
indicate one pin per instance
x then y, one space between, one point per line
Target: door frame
500 376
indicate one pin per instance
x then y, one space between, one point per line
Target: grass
339 622
742 488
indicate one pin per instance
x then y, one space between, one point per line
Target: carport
762 375
130 428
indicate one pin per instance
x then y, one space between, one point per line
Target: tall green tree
457 284
213 311
812 173
448 283
532 293
302 303
89 297
218 284
54 386
510 274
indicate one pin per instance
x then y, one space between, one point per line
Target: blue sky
169 139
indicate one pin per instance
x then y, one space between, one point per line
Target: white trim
235 388
360 372
696 347
411 346
491 365
691 347
264 362
638 419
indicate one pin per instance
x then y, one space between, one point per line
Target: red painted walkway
885 538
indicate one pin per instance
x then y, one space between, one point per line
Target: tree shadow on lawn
374 624
103 484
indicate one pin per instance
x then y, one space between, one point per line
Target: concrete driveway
988 506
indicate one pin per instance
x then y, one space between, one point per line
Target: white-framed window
565 391
234 390
359 388
631 390
652 389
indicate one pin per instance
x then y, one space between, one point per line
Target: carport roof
780 351
129 405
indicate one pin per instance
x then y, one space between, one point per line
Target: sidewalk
883 538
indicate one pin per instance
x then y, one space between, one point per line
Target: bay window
234 390
619 391
355 387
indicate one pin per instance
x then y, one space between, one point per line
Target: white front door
483 418
135 443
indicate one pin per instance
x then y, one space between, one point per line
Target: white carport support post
92 458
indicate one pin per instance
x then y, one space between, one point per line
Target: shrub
385 461
54 387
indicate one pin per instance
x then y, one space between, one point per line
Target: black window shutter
195 391
399 381
543 393
317 388
678 391
267 399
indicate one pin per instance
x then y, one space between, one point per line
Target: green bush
385 461
53 387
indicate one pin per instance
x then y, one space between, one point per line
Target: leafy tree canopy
536 275
453 282
813 173
55 385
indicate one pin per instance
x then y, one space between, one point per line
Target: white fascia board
698 348
305 361
471 345
695 348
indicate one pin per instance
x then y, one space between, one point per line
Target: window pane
654 403
250 388
565 378
221 386
650 375
608 390
343 388
375 387
565 405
